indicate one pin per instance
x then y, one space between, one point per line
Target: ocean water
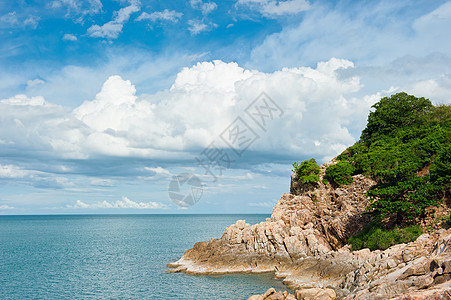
114 257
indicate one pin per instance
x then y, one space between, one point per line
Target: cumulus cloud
69 37
165 15
201 103
322 115
113 28
32 125
124 203
273 8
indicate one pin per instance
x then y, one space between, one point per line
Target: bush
376 237
307 171
340 173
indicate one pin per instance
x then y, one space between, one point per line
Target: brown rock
315 294
304 243
269 292
256 297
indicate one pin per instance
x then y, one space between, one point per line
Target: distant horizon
140 214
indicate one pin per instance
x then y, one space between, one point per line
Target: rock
315 294
304 243
269 292
276 296
256 297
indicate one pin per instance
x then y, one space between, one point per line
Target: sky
134 106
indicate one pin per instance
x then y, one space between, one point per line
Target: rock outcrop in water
304 243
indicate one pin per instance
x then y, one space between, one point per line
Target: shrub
307 171
340 173
376 237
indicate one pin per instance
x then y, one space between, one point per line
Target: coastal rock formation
305 294
304 243
312 223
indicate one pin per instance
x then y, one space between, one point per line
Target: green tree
307 171
393 112
404 139
340 173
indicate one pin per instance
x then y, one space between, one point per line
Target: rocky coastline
305 244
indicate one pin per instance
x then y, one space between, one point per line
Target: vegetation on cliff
307 171
374 236
340 173
406 149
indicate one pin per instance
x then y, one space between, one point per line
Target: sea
115 257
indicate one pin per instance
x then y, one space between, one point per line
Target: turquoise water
114 256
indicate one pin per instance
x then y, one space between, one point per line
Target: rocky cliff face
304 243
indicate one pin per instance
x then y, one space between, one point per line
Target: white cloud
33 177
159 171
204 7
12 19
124 203
208 7
272 8
437 89
69 37
327 32
112 29
34 82
31 21
77 8
323 114
9 19
12 172
23 100
165 15
198 26
5 207
201 103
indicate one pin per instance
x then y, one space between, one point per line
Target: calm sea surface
114 256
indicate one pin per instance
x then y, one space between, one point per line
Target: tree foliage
390 113
307 171
405 147
340 173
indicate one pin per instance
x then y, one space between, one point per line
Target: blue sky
103 102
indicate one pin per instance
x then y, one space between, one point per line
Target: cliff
304 243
